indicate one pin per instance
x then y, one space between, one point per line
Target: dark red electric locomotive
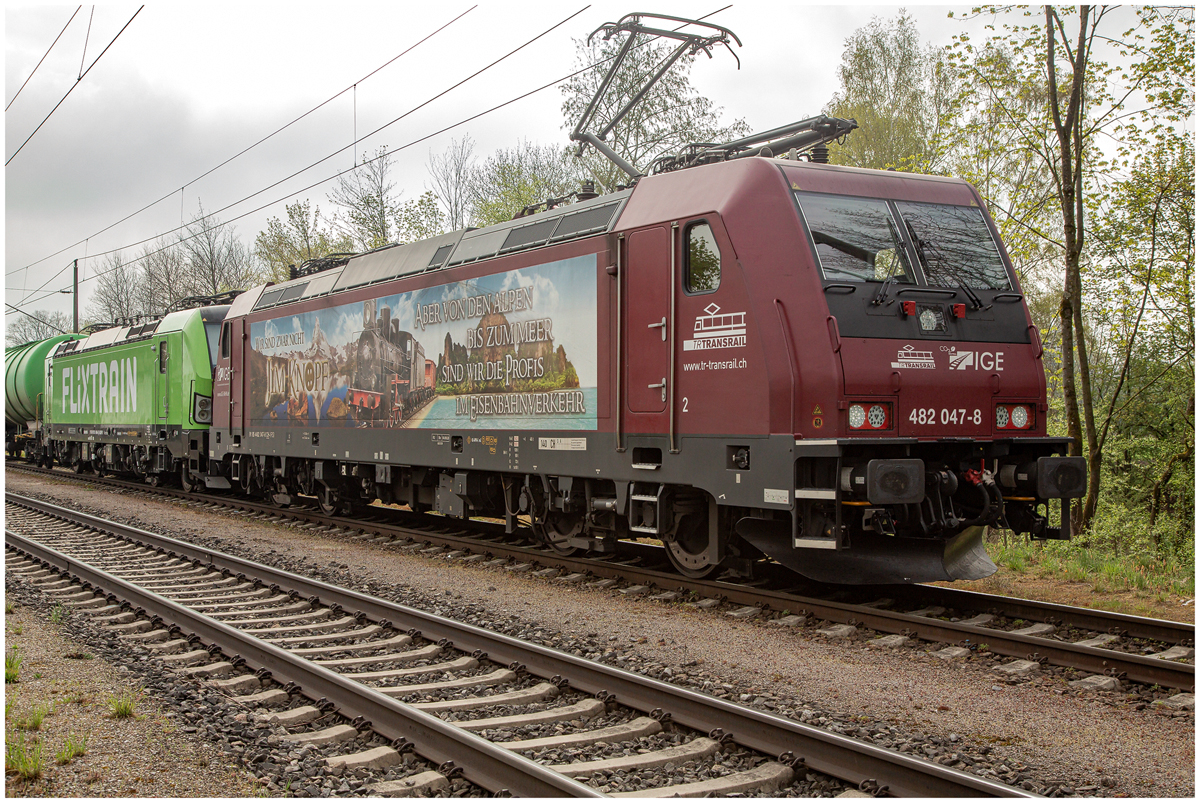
744 357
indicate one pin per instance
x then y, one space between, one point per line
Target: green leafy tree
513 178
1060 82
419 219
898 91
298 238
672 114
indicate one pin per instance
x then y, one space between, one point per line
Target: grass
34 720
1140 573
12 665
59 614
72 748
9 606
23 759
124 705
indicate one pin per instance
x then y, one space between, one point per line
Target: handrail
787 341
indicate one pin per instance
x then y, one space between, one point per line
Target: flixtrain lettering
101 387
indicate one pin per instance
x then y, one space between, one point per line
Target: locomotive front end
941 418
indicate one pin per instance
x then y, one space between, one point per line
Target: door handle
663 326
661 385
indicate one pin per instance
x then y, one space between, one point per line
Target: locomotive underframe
589 499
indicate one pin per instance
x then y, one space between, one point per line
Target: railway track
341 668
1111 647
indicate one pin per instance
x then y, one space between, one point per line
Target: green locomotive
135 399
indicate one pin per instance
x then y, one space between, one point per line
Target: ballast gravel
1035 732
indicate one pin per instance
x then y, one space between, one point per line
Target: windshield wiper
976 302
898 250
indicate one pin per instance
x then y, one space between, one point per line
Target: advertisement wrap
513 350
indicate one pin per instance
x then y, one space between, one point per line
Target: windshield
955 245
856 238
212 331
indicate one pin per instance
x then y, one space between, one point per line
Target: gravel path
146 755
1037 732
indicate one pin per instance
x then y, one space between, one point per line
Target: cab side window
225 334
702 271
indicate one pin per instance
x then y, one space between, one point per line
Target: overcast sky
188 85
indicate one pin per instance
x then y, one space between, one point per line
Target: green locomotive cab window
163 357
702 273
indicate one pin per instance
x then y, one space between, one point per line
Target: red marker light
959 310
908 308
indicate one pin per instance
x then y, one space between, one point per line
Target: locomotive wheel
79 466
329 501
689 551
185 479
557 529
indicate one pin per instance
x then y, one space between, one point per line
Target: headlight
1020 417
858 416
870 415
1014 416
202 409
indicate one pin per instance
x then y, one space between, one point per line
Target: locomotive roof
572 222
174 322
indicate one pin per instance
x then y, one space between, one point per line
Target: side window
702 271
226 333
163 357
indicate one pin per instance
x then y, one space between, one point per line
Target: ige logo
909 357
977 360
713 331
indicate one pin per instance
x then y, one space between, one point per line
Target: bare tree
164 276
117 293
364 200
451 173
27 327
215 259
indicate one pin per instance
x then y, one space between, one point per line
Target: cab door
648 329
162 383
237 377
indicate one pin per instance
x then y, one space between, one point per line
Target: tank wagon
136 399
25 397
829 366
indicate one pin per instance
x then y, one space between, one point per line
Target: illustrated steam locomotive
743 356
390 376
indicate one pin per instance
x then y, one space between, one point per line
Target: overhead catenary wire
88 36
43 58
249 148
77 82
214 213
410 144
36 318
